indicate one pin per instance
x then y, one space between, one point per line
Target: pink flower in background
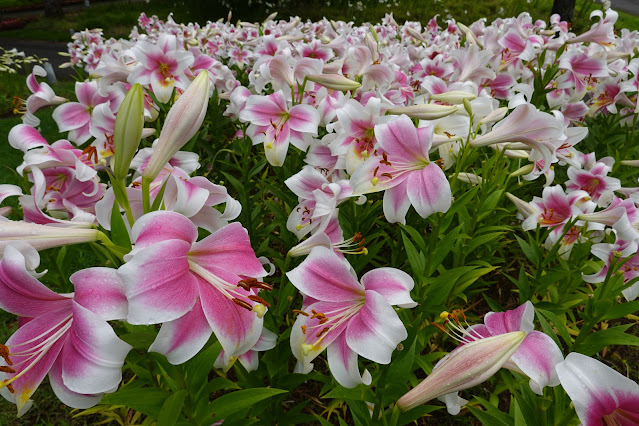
276 125
161 65
75 117
402 168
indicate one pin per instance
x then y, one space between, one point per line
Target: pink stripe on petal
71 116
324 276
520 318
181 339
228 248
304 118
429 191
159 226
344 366
376 330
158 283
101 291
47 353
237 328
93 355
396 203
400 140
536 358
22 294
25 137
393 284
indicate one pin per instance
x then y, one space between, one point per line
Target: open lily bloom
402 169
347 317
193 288
66 336
601 396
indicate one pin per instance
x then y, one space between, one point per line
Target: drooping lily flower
348 317
402 168
601 395
67 335
467 366
42 95
193 288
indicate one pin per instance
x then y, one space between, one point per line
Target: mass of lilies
311 199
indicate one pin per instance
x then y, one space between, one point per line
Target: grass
118 21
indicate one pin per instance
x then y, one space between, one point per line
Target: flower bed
280 212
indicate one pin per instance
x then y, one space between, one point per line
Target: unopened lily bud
470 178
334 81
453 97
424 111
373 31
523 170
42 237
465 367
468 107
5 211
182 122
495 116
526 209
372 46
271 17
414 34
463 28
333 25
192 42
631 163
127 132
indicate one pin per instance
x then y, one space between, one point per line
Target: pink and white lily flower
66 336
162 65
538 354
601 395
402 168
346 316
75 117
193 288
276 125
42 96
249 359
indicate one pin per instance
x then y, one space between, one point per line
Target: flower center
250 302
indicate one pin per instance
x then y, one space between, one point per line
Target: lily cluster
377 108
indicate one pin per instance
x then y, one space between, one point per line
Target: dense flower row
376 108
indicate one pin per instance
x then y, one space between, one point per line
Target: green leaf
417 413
233 402
611 336
531 253
491 418
172 408
148 401
119 233
359 393
559 324
416 259
621 310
